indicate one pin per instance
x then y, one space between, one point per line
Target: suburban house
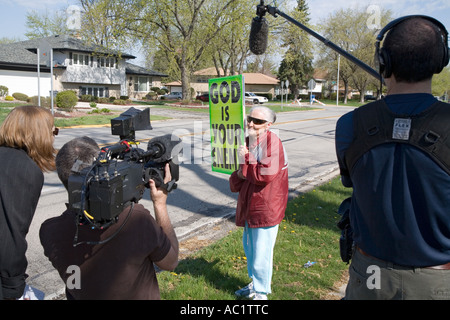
320 80
85 69
254 82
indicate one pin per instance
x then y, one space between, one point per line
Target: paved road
203 197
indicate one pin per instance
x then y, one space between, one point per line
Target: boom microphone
258 35
260 30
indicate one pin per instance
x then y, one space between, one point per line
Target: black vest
375 124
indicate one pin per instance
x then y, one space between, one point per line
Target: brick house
254 82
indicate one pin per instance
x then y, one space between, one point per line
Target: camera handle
156 173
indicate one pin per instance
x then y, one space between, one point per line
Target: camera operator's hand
159 198
160 194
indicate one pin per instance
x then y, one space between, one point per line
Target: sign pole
287 91
337 84
311 86
39 76
51 78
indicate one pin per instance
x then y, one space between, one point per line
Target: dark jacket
117 264
20 188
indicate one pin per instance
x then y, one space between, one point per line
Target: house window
202 80
100 92
107 62
81 59
141 84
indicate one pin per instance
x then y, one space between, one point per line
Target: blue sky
438 9
13 12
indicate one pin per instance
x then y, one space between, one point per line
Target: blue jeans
258 247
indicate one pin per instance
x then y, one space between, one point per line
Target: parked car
253 98
173 96
203 97
369 97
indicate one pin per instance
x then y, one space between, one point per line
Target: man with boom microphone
395 154
115 263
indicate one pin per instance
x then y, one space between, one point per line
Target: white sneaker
246 291
260 296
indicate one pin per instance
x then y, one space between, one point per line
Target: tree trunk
185 79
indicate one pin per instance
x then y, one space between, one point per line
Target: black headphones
382 56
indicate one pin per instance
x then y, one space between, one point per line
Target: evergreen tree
296 65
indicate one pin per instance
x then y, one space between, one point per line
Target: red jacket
264 192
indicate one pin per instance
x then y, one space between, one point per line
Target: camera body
121 172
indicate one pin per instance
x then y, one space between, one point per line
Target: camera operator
116 262
400 201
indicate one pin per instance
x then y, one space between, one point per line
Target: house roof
23 52
249 78
174 84
259 78
210 72
320 74
137 70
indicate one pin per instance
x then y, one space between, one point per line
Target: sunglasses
255 120
56 131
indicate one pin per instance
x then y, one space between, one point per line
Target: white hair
269 114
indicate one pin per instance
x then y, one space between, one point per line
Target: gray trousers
373 279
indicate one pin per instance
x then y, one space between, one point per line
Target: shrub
66 100
120 102
9 98
20 96
97 110
103 100
3 91
45 101
86 98
151 96
158 90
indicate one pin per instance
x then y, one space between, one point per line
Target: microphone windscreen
258 35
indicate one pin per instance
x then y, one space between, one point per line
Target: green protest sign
226 113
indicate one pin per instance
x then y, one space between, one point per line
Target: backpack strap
369 130
431 134
376 124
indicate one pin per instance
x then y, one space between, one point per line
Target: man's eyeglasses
55 131
255 120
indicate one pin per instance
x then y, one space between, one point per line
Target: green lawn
308 233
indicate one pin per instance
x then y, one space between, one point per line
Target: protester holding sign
262 183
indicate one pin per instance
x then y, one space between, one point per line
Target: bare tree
350 29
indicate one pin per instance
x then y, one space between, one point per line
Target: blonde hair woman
26 151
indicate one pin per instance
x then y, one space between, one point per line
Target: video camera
121 172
